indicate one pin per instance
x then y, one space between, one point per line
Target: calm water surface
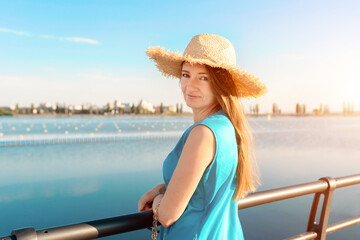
45 186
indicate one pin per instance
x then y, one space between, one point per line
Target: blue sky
78 52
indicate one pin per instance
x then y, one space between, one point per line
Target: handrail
137 221
278 194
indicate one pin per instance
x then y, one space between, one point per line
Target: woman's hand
156 202
145 203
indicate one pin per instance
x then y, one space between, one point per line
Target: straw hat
212 50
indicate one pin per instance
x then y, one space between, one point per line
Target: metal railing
117 225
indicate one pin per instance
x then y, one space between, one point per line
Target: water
48 185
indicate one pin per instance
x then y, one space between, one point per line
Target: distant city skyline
299 108
76 52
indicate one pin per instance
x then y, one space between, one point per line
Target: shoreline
186 114
99 115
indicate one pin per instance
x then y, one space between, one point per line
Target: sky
93 51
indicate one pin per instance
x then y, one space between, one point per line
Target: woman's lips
191 96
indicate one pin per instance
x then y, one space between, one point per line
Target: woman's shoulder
218 122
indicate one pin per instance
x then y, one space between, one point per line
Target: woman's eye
204 78
185 75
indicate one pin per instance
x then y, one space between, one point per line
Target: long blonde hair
225 92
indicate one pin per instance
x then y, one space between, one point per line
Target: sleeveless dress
210 214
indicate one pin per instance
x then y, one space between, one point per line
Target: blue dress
210 213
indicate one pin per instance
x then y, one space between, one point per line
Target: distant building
45 105
146 106
172 108
323 109
118 107
254 109
6 108
301 109
348 108
326 109
128 105
275 109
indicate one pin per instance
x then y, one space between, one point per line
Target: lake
47 185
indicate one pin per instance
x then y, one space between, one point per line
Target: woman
210 167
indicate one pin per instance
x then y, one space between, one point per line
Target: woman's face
195 86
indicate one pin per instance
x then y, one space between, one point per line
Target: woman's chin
190 104
194 107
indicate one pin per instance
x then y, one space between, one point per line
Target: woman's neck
200 114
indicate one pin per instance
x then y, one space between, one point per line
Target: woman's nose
191 84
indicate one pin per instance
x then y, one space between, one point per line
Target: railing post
320 228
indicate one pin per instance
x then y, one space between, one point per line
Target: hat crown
211 47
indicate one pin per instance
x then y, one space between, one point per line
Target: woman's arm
145 202
196 156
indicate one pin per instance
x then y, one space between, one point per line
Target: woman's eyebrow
189 72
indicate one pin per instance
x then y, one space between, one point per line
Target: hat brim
169 64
